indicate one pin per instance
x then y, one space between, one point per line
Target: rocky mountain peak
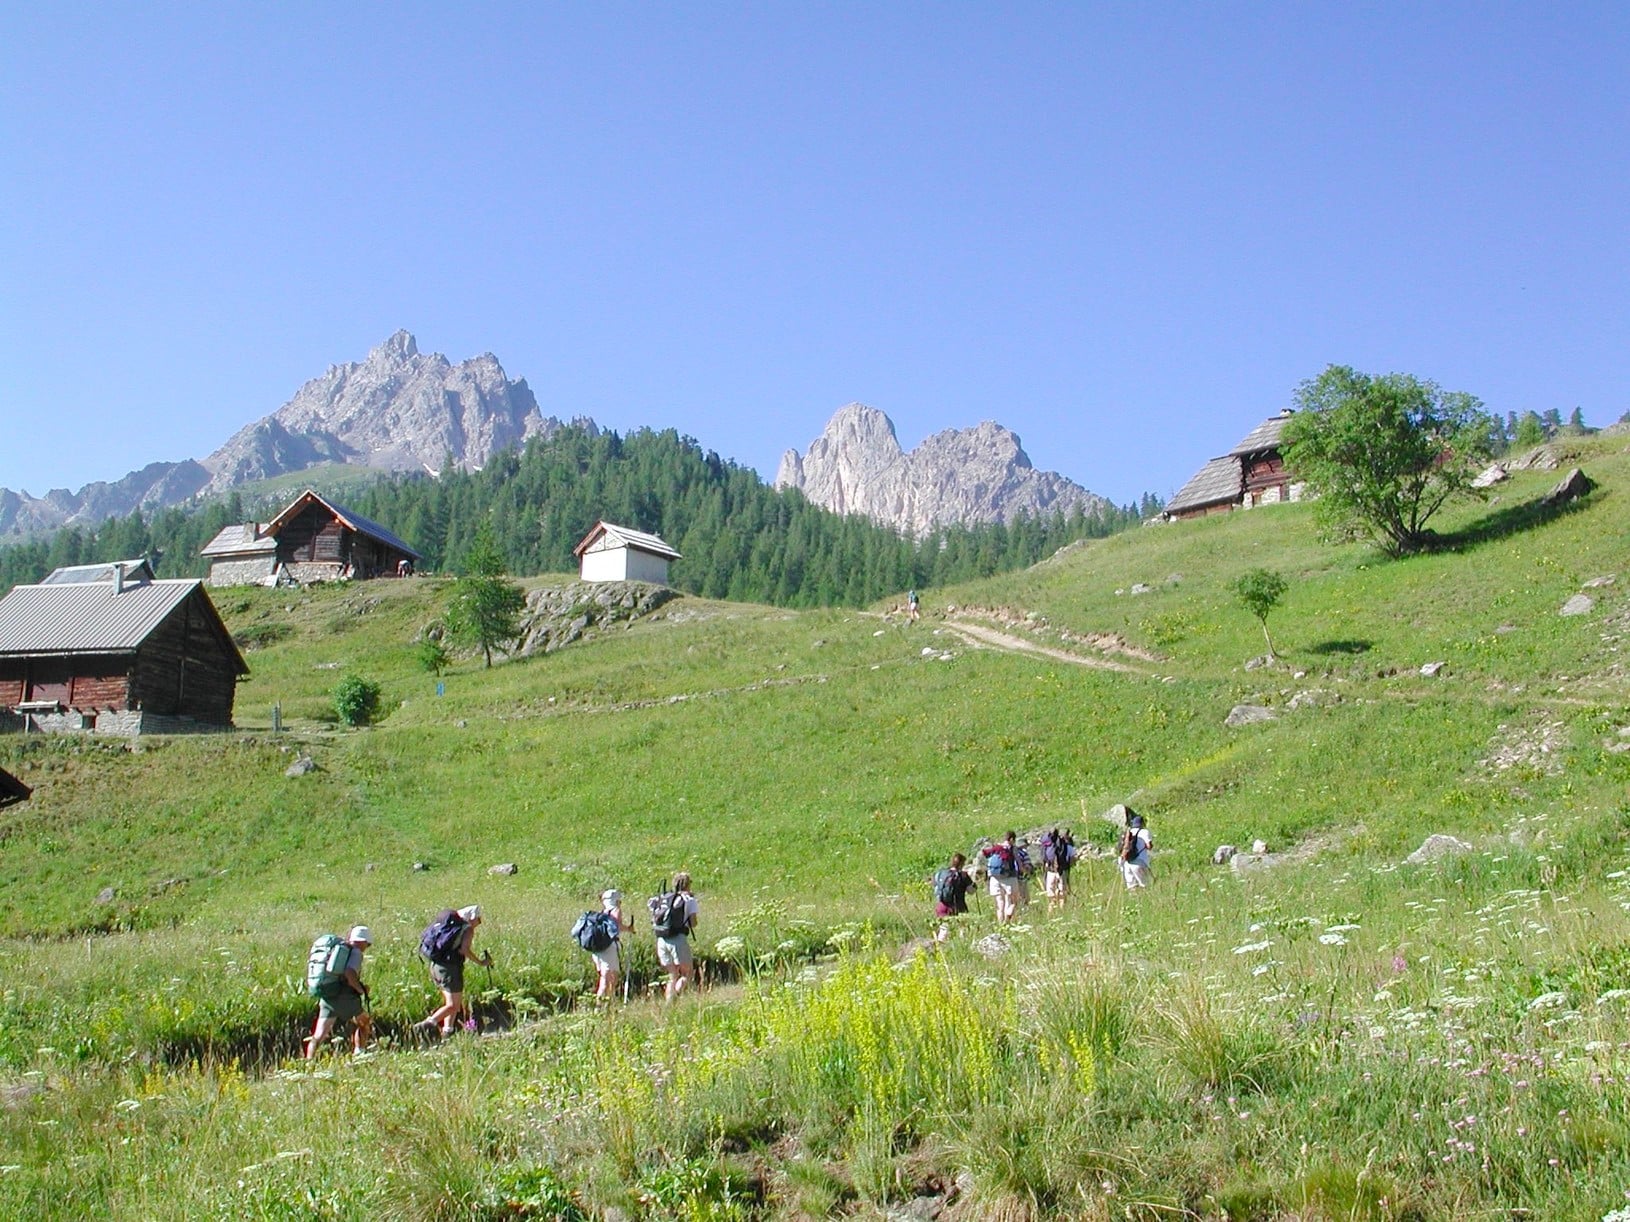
400 347
396 409
966 476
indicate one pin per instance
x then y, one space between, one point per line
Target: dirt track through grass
979 635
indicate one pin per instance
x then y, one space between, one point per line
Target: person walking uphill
1002 865
673 920
447 944
599 933
334 978
1135 849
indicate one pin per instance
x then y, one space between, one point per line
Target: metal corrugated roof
355 521
639 540
87 617
1265 436
1218 481
236 540
135 570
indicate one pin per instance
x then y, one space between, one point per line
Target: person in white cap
608 962
447 971
343 1003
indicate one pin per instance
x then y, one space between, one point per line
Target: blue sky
1124 231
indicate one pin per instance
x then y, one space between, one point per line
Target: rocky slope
397 409
964 476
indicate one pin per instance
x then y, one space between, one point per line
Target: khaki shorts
674 952
342 1005
606 960
448 977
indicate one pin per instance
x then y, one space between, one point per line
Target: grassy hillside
1332 1033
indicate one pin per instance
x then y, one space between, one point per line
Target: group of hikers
334 967
1008 868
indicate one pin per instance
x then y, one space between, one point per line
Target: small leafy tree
356 700
1260 591
484 610
431 655
1384 453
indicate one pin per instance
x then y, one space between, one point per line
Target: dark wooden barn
1251 474
127 655
311 540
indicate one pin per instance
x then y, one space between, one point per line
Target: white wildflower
1332 939
1251 948
127 1105
1548 1001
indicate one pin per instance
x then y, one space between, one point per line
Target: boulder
1574 485
1491 475
1435 846
1259 847
301 766
1222 854
507 868
1248 714
106 895
1432 669
1579 604
1141 588
1596 583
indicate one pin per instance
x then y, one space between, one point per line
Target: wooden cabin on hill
124 654
1251 474
617 553
312 540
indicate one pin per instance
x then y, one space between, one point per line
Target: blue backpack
999 862
439 942
595 931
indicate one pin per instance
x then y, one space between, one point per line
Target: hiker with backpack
334 978
1135 849
1057 856
951 886
1002 865
673 920
599 933
447 944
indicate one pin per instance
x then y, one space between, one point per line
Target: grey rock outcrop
965 476
1248 714
1435 846
557 616
1579 604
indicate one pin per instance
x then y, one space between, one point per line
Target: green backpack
325 966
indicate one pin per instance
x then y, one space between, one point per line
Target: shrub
356 700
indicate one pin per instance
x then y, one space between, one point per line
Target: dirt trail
980 634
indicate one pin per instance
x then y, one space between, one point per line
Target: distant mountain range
956 477
396 410
402 410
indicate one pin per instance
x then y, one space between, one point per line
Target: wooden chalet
127 654
617 553
312 540
12 790
1251 474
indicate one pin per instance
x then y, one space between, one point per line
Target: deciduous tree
1384 453
1260 590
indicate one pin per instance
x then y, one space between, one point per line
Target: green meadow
1331 1032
